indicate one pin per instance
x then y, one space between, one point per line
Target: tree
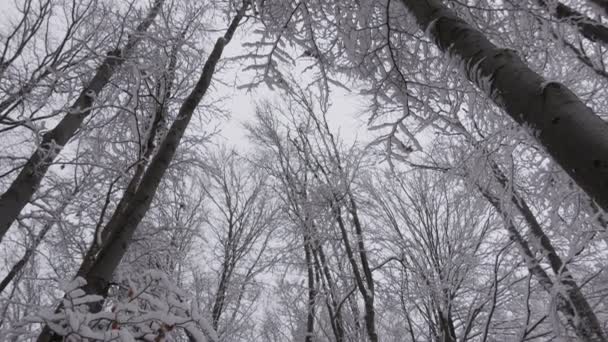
317 154
123 224
246 220
548 109
588 27
365 38
54 62
439 236
447 221
19 193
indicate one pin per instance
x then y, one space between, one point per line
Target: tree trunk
572 303
23 187
16 269
333 307
531 262
310 317
140 165
220 295
588 326
122 227
446 326
589 28
370 312
572 134
361 280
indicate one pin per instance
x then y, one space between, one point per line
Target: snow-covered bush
143 307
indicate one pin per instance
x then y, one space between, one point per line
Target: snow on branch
145 307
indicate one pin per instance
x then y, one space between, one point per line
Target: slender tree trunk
370 312
220 295
333 308
310 317
314 253
573 135
140 166
531 262
574 305
590 327
123 227
363 279
362 283
23 187
589 28
228 266
16 269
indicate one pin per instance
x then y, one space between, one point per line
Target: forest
304 170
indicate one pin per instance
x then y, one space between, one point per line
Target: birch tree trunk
24 186
122 227
571 132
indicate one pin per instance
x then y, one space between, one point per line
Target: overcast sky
343 116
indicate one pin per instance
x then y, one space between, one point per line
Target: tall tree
123 224
572 134
19 193
318 153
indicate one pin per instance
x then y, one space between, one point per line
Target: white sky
344 114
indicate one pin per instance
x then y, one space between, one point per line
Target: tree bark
220 295
310 315
160 114
572 133
589 28
122 227
23 187
363 283
333 307
446 326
